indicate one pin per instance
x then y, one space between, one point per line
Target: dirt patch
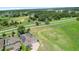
35 46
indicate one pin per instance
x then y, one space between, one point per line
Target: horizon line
21 8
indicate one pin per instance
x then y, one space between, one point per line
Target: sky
32 4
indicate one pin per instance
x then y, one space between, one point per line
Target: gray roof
29 38
1 43
12 42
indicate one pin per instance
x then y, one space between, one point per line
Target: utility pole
4 46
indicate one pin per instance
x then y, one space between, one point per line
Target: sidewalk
35 46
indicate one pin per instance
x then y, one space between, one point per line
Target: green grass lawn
72 31
64 36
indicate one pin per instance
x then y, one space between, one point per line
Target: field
53 29
58 36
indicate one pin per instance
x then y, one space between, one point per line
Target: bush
77 19
37 23
28 30
21 29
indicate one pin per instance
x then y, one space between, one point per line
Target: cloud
39 3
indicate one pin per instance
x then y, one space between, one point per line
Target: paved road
33 25
55 23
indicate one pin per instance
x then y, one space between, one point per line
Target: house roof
28 38
1 43
12 42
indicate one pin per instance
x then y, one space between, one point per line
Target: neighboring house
28 39
11 43
1 43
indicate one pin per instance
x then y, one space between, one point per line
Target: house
28 39
10 43
1 43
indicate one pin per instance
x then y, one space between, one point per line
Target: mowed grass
64 36
72 31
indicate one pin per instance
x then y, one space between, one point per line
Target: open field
9 30
63 36
50 29
58 35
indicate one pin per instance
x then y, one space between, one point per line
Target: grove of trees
21 29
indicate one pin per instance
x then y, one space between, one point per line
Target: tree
16 23
3 34
36 16
32 18
37 23
29 20
20 48
28 30
13 33
77 19
57 17
5 23
21 29
49 18
42 18
47 21
20 22
12 22
37 40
